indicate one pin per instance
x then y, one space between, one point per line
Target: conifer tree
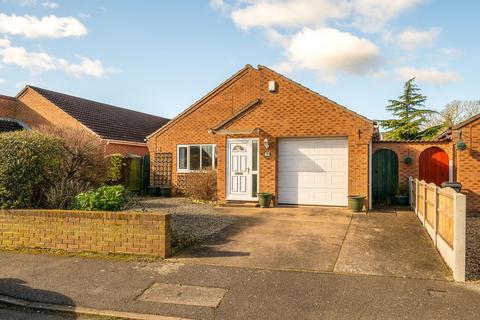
410 115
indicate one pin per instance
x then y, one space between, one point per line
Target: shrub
29 166
84 155
115 169
201 185
106 198
62 194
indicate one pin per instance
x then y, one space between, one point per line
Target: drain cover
437 293
184 294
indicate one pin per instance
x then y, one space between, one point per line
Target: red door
433 165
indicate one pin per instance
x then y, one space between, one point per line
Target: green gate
385 177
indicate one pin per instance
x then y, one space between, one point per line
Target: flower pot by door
264 199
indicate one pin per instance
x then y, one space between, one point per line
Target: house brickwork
412 149
7 107
467 164
291 111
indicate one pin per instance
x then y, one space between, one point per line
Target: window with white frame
196 157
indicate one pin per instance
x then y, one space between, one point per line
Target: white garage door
313 171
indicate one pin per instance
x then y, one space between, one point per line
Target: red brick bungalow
122 130
263 132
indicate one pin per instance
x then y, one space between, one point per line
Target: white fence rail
442 211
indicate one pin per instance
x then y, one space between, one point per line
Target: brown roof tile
107 121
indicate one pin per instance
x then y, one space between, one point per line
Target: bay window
196 157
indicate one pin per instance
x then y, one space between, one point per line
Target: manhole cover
184 294
437 293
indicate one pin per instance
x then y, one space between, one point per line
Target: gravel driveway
473 249
191 222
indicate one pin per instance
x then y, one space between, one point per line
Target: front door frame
231 141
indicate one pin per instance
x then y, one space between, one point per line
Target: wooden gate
385 176
433 166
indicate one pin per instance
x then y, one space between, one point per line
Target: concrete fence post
459 231
416 196
424 204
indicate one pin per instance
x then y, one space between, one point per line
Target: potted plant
408 159
356 203
402 198
166 191
461 145
264 199
154 191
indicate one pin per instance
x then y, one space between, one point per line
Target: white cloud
451 52
2 81
367 15
411 39
38 62
45 27
290 13
50 4
328 51
428 75
372 15
87 67
220 6
35 61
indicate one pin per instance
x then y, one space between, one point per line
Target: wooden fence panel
445 216
430 205
442 211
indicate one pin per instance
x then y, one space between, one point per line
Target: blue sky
161 56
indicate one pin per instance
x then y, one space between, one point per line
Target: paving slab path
249 293
389 242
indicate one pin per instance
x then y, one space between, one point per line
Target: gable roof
235 116
109 122
447 133
198 103
7 125
317 94
464 123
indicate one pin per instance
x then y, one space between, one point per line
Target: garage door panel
312 197
313 180
313 171
312 164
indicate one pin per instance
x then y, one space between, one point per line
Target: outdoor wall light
266 143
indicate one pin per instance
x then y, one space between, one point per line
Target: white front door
240 169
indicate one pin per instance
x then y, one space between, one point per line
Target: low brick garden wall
103 232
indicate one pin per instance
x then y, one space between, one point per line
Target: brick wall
414 149
293 111
467 165
126 149
105 232
7 107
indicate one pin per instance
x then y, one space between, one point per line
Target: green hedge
29 166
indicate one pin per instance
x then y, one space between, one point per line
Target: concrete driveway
319 239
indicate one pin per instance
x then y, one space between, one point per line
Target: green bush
115 169
106 198
29 166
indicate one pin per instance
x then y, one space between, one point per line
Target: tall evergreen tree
410 115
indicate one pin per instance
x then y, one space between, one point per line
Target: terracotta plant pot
356 203
264 199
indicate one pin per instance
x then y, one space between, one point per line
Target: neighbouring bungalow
263 132
122 130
